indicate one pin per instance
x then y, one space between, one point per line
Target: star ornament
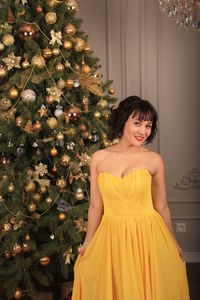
12 61
43 111
54 93
56 37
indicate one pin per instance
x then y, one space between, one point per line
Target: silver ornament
76 83
28 96
70 145
58 112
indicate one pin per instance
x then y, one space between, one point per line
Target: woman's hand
83 248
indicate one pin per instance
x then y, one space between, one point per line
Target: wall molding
192 257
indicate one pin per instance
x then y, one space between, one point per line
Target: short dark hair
132 105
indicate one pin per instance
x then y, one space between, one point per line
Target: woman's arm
160 199
96 203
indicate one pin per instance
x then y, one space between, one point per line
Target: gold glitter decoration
56 37
54 93
81 225
84 159
67 255
41 169
12 61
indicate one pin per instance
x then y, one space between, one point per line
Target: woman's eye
149 126
137 123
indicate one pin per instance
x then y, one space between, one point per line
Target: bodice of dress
126 196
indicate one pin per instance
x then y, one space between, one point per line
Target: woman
131 252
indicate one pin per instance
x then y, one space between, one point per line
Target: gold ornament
60 67
97 114
111 91
61 183
3 72
47 53
28 128
17 248
38 9
79 195
53 3
27 237
18 121
86 69
67 44
49 200
18 294
32 207
5 104
67 64
27 31
44 261
62 216
43 189
8 39
36 197
85 102
69 84
13 93
12 61
26 247
103 103
87 49
49 100
7 226
61 84
51 18
80 44
11 188
64 160
2 47
52 123
37 126
77 68
25 64
38 61
70 29
60 136
30 187
79 248
53 151
41 169
56 51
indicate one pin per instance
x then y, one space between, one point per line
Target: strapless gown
132 255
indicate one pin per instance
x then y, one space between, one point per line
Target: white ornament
28 96
58 112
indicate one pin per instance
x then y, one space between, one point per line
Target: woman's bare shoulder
98 155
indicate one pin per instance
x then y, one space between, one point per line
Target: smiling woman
136 111
132 247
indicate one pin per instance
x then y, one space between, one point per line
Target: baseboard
192 257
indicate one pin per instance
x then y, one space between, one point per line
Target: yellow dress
132 255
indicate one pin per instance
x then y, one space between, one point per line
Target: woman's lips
139 139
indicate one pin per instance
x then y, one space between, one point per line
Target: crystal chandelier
185 12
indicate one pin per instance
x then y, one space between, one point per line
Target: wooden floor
193 273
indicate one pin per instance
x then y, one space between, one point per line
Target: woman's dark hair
135 106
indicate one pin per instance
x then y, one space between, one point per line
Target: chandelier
185 12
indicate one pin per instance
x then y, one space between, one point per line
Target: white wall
146 54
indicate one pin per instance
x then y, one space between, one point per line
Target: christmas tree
54 112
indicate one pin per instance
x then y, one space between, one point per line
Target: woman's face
135 131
